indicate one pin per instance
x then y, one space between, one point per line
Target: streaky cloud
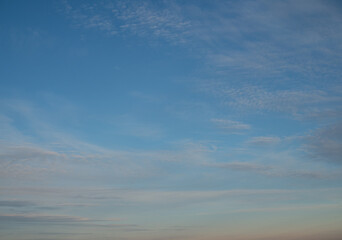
325 144
16 203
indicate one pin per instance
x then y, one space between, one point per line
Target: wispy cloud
264 141
273 171
34 162
144 19
27 153
283 208
29 218
40 218
255 98
64 155
269 38
244 39
16 203
326 143
242 166
230 126
164 197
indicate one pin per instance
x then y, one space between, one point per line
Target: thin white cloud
264 141
35 162
265 38
30 218
269 42
326 143
16 203
230 126
259 99
128 197
138 18
273 171
242 166
303 207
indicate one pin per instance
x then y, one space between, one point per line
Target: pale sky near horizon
170 120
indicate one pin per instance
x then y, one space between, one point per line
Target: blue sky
167 120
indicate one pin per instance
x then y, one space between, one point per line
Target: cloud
292 207
137 196
273 171
271 38
9 132
159 197
326 143
241 166
72 158
309 174
264 141
15 203
53 152
73 205
245 39
256 98
144 19
28 160
317 234
29 218
35 162
230 125
40 218
261 61
15 153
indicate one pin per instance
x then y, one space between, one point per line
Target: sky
170 120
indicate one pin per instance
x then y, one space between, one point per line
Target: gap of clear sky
170 120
